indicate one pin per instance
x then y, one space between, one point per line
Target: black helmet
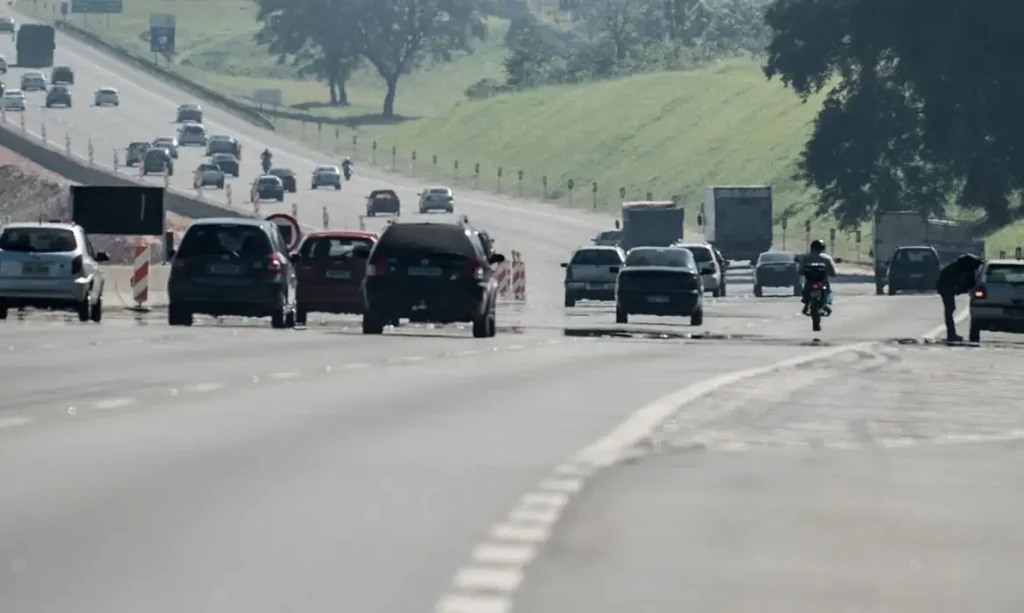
817 245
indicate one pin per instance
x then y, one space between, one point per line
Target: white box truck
895 229
737 220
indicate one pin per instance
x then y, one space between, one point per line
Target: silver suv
50 266
591 274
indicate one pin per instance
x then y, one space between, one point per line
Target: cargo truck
35 45
737 220
895 229
651 224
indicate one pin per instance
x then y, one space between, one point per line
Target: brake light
275 266
476 268
76 266
815 286
380 269
980 293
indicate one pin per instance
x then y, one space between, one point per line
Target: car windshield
1005 273
107 90
281 172
701 253
674 258
224 239
776 258
37 240
332 247
156 153
163 141
610 235
14 93
596 257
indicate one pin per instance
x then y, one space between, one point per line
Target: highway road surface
231 467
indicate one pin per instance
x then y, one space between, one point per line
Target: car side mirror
613 269
496 258
565 265
102 257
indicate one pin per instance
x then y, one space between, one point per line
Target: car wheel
975 334
96 311
758 292
84 309
797 290
289 319
481 326
3 312
724 290
372 323
177 316
716 292
301 315
570 301
892 289
492 325
621 316
697 318
879 289
338 186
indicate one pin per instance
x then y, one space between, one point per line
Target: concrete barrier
127 56
83 173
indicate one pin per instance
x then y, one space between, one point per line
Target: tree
398 36
923 101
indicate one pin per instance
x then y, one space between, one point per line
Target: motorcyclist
265 157
346 166
957 277
816 255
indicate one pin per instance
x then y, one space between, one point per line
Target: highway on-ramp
231 467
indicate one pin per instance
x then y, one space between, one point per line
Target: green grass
215 46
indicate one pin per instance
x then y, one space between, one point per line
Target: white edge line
938 331
14 422
604 452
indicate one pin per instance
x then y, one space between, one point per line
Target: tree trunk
389 98
332 87
342 74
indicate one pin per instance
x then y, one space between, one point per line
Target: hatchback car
430 272
192 134
268 187
662 281
714 275
913 268
226 162
287 176
208 174
222 143
590 274
13 100
189 112
383 201
62 74
326 176
59 95
107 96
169 143
777 269
135 152
330 266
232 266
997 303
50 266
157 161
437 199
33 82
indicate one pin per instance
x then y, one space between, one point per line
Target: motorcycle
347 170
265 159
819 296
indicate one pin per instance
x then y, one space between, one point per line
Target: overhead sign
272 97
161 33
289 227
102 7
111 209
64 8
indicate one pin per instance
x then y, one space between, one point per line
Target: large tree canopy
924 101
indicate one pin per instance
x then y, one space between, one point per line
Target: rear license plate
595 285
424 271
815 293
224 269
339 274
916 276
657 299
35 270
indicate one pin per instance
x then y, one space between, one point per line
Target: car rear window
332 248
37 240
701 254
194 129
596 257
411 240
916 256
439 191
224 239
388 195
1005 273
675 258
777 258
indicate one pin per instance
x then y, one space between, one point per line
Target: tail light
476 268
815 286
76 266
275 266
980 293
568 273
379 269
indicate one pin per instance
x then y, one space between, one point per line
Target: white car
208 174
327 176
33 82
713 275
13 100
192 134
107 96
997 303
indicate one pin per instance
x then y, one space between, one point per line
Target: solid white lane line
14 422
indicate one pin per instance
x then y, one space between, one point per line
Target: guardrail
62 161
136 60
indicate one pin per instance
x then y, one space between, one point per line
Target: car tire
3 312
492 325
337 187
879 289
758 292
83 309
289 319
893 289
570 300
177 316
697 318
450 209
482 325
372 324
96 311
716 292
621 316
797 290
301 316
725 290
278 320
974 335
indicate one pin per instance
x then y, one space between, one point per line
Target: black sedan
227 162
777 269
662 281
58 96
287 176
268 187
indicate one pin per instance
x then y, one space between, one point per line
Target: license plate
595 285
815 293
424 271
35 270
339 274
224 269
916 276
658 299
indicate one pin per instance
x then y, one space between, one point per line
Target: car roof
598 248
693 246
269 177
57 225
915 248
438 188
426 235
231 221
224 154
773 252
341 234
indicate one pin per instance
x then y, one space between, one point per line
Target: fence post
521 183
571 185
594 190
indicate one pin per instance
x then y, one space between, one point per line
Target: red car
329 274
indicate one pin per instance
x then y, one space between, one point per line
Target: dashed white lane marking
199 388
488 583
282 376
14 422
113 403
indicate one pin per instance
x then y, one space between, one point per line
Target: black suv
156 160
232 266
58 95
914 268
430 272
62 74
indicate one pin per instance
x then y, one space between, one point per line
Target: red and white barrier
512 278
295 210
140 275
327 219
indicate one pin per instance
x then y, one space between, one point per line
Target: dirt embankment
29 192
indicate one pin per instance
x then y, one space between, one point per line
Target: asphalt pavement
232 467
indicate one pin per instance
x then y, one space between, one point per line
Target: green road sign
105 7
